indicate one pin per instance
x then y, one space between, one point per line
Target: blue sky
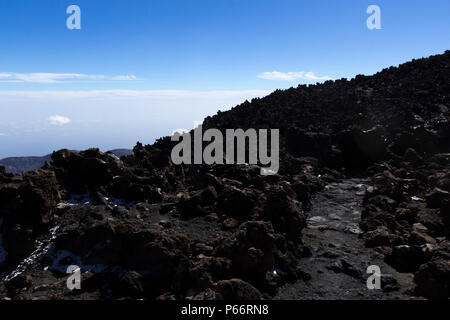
139 69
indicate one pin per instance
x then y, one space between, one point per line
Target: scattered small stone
212 217
229 223
389 283
165 224
344 266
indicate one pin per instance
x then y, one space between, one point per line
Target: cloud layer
154 94
292 76
103 118
58 120
59 77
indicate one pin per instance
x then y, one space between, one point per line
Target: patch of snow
371 129
415 198
79 199
334 216
277 271
120 202
58 263
266 171
353 228
42 248
63 205
317 219
76 199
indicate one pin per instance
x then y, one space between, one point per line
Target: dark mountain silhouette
24 164
364 180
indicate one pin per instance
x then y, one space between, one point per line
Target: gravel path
339 261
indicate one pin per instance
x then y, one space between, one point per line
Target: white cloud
292 76
197 123
59 77
180 131
124 78
58 120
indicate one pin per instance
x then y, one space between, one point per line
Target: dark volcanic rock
377 237
17 284
236 202
344 266
406 258
208 270
285 213
27 206
183 231
435 197
98 237
251 251
362 148
236 289
131 285
433 278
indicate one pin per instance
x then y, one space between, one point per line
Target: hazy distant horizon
49 153
118 121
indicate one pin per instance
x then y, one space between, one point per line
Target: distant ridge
24 164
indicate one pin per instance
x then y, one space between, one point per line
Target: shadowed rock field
364 180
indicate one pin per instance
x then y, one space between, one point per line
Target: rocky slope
142 227
24 164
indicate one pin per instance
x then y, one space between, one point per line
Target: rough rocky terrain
337 266
364 180
24 164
